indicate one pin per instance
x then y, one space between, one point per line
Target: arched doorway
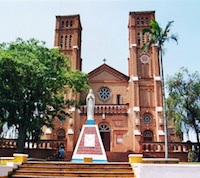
61 134
148 136
104 130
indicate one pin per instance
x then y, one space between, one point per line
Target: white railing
107 109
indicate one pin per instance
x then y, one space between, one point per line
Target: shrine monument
89 146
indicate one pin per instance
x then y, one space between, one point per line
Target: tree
1 125
184 90
159 37
173 115
33 81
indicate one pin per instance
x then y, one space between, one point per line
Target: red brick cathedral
128 108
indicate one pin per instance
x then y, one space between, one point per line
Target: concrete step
91 169
66 169
73 164
72 174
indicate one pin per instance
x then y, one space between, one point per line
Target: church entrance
61 134
105 135
148 136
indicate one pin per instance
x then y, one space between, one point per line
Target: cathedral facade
128 108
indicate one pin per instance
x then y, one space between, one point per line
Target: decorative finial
104 60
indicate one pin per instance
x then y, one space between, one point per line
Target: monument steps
55 169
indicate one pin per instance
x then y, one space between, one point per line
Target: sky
105 28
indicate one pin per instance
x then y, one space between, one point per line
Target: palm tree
159 37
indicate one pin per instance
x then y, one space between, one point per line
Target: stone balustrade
145 147
42 144
107 109
173 146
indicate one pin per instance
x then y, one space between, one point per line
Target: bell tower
68 38
145 83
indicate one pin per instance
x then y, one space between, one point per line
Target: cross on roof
104 60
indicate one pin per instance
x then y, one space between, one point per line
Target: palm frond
167 28
147 30
174 37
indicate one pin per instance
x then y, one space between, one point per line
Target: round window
144 58
147 118
104 94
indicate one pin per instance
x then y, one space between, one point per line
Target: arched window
61 134
70 41
61 42
138 21
104 128
142 20
143 40
66 23
148 136
118 99
62 24
138 38
66 41
147 34
147 20
71 23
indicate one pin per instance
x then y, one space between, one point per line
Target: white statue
90 101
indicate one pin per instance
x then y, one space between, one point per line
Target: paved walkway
166 170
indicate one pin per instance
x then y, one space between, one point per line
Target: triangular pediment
105 72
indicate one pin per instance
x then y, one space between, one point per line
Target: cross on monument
104 60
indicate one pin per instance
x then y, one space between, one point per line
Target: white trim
76 47
133 78
48 131
161 132
157 78
137 132
136 109
70 131
159 109
20 154
133 45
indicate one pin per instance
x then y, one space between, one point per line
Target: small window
138 20
66 41
142 20
118 99
138 38
71 23
147 37
143 40
62 24
61 42
67 24
70 41
147 20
